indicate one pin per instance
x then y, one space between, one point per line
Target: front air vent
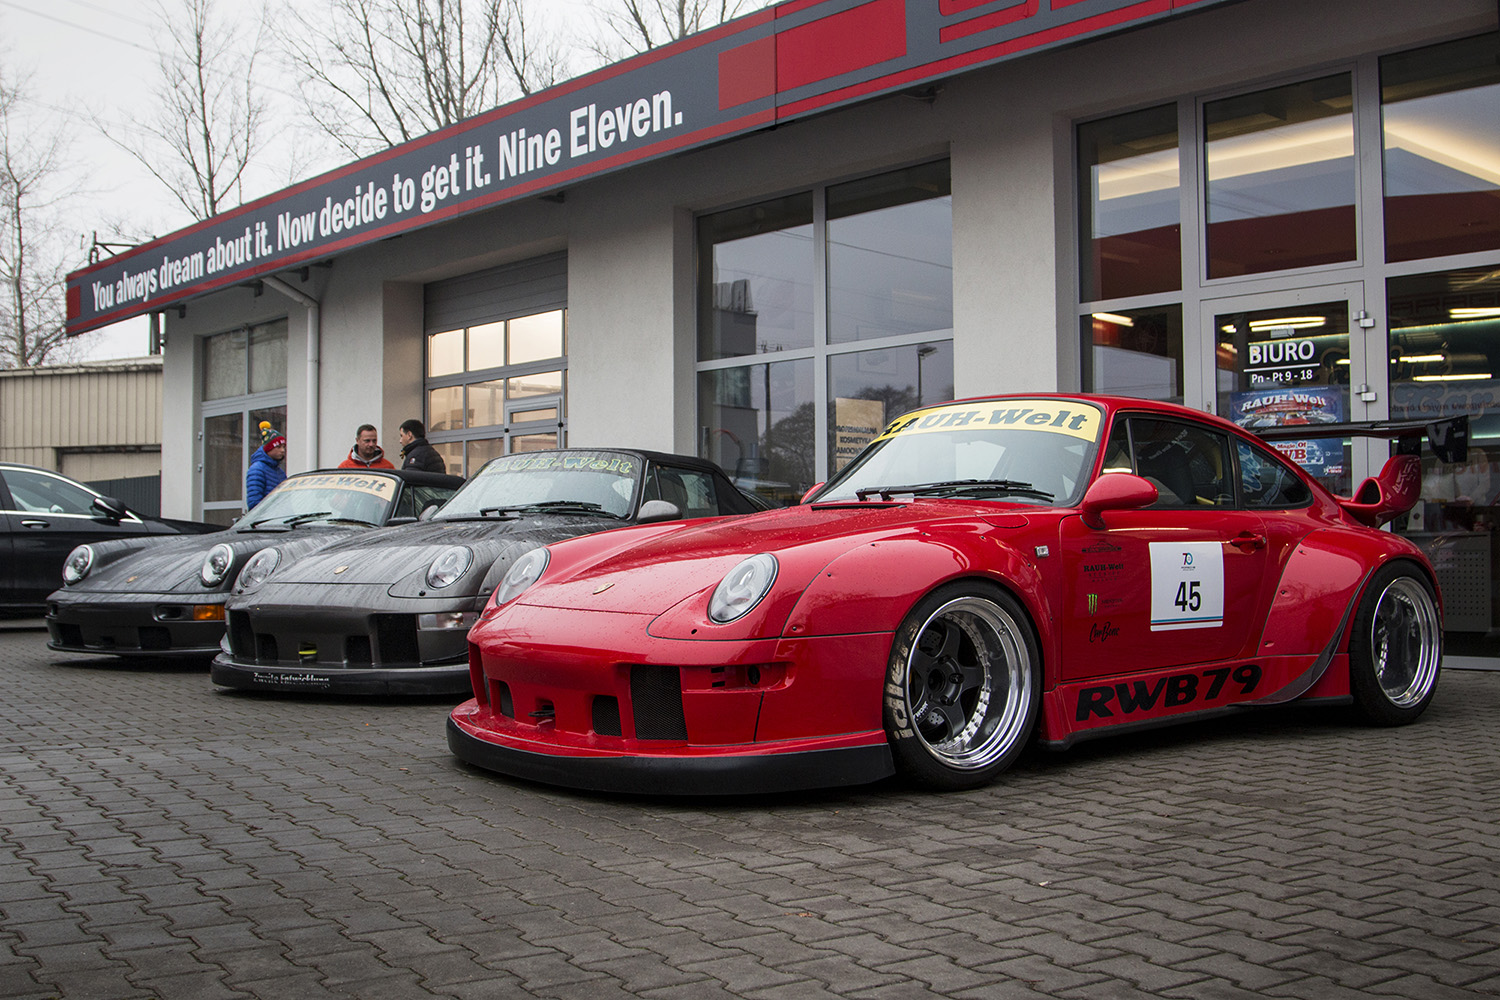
656 700
606 715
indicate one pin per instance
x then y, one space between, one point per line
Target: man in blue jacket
265 472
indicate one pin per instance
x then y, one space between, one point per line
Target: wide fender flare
1321 583
872 587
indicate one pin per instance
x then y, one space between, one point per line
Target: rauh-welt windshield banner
773 66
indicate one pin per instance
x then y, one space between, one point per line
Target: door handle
1248 541
33 523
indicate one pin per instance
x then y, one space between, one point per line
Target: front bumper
590 700
344 648
159 625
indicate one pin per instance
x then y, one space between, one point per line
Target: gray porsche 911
165 596
390 615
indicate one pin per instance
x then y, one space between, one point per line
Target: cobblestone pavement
160 839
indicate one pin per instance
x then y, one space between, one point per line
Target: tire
961 694
1396 649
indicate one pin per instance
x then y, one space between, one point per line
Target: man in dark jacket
265 472
415 450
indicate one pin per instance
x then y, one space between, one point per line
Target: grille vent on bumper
606 715
656 697
396 638
241 636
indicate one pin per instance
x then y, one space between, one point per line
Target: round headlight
80 561
742 588
449 565
216 565
522 573
260 566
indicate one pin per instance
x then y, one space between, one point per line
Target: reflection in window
1134 352
1281 178
1441 123
890 255
870 389
758 424
1130 238
755 287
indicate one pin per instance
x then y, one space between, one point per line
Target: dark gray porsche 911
390 615
165 596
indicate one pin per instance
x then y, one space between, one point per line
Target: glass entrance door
1297 358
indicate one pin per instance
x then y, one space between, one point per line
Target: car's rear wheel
1396 648
961 688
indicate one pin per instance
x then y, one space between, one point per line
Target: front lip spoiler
727 774
443 679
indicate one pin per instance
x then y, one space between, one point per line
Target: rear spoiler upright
1399 485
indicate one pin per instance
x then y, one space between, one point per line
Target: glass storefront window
223 457
890 255
1445 361
755 289
224 367
1130 232
1440 118
1289 366
870 389
268 357
1134 352
445 352
1281 178
474 372
244 382
758 421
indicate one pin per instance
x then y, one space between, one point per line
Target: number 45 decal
1187 585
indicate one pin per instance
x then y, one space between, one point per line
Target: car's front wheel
961 687
1396 648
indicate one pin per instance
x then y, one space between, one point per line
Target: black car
45 515
390 614
167 599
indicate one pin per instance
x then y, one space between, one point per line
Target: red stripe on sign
985 22
841 43
747 73
75 302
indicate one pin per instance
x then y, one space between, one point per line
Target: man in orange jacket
366 453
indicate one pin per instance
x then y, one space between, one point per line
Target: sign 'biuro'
770 67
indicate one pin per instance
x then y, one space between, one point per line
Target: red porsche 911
984 572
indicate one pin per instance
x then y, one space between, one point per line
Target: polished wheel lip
1406 638
1001 695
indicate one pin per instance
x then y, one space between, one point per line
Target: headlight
742 588
260 566
80 561
522 573
216 565
448 566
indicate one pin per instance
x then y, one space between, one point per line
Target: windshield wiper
568 507
958 487
291 519
352 520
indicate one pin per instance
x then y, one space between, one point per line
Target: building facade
1275 210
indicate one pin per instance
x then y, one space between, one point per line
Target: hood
399 556
646 570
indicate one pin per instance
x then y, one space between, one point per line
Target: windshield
1035 451
568 482
355 496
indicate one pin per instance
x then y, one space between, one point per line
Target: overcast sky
98 57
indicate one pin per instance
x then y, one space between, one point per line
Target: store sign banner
770 67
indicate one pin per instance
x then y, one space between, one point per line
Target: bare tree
630 26
209 113
376 73
33 265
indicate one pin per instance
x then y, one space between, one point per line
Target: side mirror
1115 491
658 510
428 511
110 509
815 487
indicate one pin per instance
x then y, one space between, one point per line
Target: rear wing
1399 485
1449 436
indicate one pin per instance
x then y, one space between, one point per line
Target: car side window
1267 482
43 494
691 491
1189 466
